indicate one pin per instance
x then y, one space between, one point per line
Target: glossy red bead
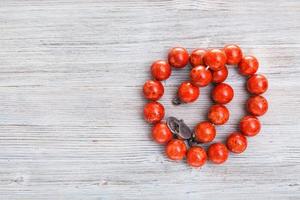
257 84
153 90
222 93
178 57
250 125
217 153
248 65
187 92
154 112
218 114
161 70
196 156
200 76
236 142
215 59
161 133
257 105
197 57
220 75
176 149
233 54
205 132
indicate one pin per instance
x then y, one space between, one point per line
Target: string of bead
208 66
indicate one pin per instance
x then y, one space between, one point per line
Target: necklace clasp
179 128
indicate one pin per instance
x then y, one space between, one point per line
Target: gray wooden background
71 123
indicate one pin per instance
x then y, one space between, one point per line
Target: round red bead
187 92
176 149
222 93
218 114
161 70
257 84
178 57
217 153
220 75
215 59
154 112
200 76
196 156
250 125
161 133
257 105
205 132
153 90
248 65
233 53
197 57
236 142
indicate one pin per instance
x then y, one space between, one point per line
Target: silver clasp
179 128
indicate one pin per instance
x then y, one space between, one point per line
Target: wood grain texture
70 81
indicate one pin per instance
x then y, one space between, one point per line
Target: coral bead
220 75
200 76
205 132
153 90
215 59
196 156
250 125
218 114
154 112
197 57
257 84
178 57
248 65
187 92
161 70
161 133
233 53
217 153
222 93
236 142
176 149
257 105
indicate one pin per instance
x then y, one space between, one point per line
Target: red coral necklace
208 66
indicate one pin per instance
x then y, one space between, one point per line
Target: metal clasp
179 128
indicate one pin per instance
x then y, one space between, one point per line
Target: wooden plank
70 79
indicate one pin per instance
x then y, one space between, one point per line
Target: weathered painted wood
70 82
